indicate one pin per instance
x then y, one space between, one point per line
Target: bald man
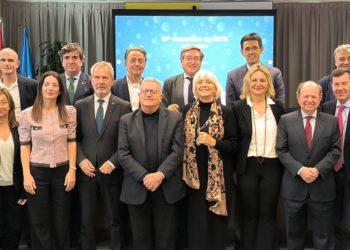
23 90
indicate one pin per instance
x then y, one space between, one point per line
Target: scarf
215 192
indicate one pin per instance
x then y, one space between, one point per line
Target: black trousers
341 211
258 193
153 222
48 209
89 192
11 218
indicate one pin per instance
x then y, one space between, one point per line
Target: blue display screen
163 34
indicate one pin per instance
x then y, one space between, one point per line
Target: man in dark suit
77 83
340 108
177 90
23 90
77 86
251 49
308 145
99 172
150 151
128 87
341 60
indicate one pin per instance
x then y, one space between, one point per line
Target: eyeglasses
150 91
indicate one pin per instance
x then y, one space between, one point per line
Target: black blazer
99 148
242 113
120 89
330 107
17 165
83 90
27 91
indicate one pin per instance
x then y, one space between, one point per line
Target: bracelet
74 168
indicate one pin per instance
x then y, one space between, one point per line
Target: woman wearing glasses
210 141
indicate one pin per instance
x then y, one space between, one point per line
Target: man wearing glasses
251 49
177 90
150 150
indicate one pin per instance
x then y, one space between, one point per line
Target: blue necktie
99 116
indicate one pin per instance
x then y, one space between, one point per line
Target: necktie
99 116
339 164
308 131
190 98
71 89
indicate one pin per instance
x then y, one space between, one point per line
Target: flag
26 66
1 44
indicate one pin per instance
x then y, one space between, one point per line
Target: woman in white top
258 169
12 195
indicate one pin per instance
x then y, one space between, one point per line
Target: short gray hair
207 74
103 64
151 79
308 83
341 48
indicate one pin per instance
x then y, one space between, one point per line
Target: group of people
168 161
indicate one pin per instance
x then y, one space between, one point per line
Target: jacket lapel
300 130
92 118
161 130
139 127
247 113
319 127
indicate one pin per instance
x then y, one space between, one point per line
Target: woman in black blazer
12 195
258 168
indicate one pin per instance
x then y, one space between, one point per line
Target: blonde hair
245 91
207 74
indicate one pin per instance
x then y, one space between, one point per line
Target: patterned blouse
48 138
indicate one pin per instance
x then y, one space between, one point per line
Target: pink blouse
48 138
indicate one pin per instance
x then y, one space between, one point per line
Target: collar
106 98
304 115
130 84
346 104
268 100
248 66
13 85
76 77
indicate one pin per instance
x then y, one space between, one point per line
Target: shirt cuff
300 170
111 164
161 174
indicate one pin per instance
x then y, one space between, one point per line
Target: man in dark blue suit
341 60
340 108
23 90
251 49
77 83
308 145
128 87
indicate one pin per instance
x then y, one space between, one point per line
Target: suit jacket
173 91
84 88
330 107
99 148
133 158
234 84
294 153
27 91
120 88
243 115
17 165
327 91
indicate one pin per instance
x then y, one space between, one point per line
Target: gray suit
173 91
294 153
234 84
98 149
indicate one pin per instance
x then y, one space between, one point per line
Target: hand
174 107
106 168
205 139
69 181
29 184
87 167
152 181
22 202
309 175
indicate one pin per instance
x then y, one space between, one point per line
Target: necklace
259 158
